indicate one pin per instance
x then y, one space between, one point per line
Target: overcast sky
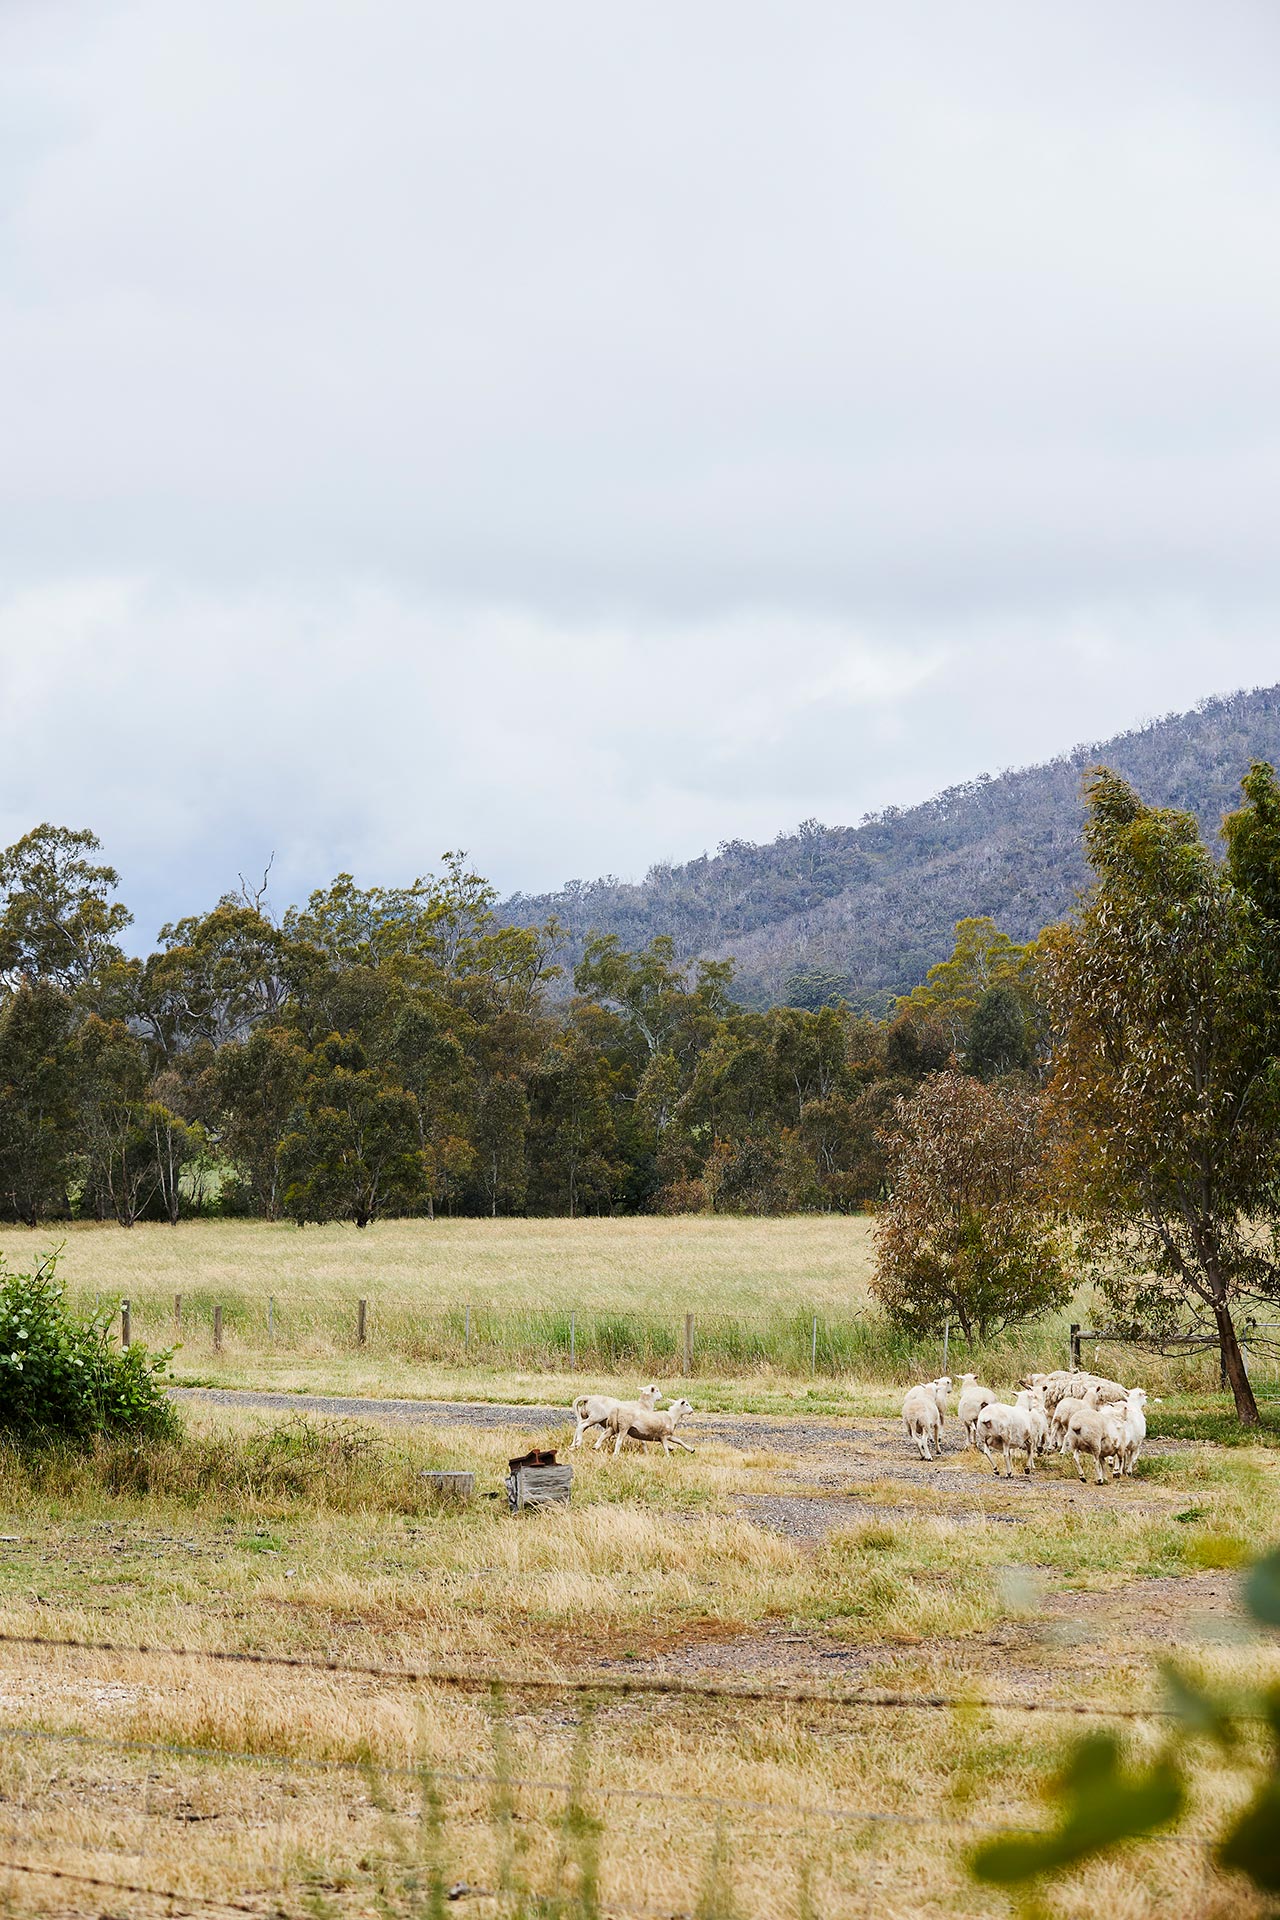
582 433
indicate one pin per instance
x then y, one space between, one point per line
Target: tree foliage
966 1235
1165 1090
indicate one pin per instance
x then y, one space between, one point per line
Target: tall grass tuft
334 1466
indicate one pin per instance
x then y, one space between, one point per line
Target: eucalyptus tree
1165 1081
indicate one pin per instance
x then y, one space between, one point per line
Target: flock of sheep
1083 1414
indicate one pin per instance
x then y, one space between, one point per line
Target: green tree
37 1110
114 1127
59 923
250 1090
1165 1084
354 1151
572 1139
999 1036
982 958
501 1130
967 1234
663 1006
215 978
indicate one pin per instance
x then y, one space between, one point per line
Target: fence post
946 1343
813 1350
271 1318
1075 1345
362 1307
573 1344
177 1317
217 1329
124 1323
688 1346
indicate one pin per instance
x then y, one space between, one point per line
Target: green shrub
61 1375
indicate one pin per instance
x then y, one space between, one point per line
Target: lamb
1031 1402
941 1393
1096 1433
1132 1423
973 1399
1108 1393
1010 1429
922 1418
593 1410
643 1423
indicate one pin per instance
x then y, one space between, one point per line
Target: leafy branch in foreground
1103 1804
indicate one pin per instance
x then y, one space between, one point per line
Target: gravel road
746 1432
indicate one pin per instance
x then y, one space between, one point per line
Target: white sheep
643 1423
1086 1396
593 1410
1095 1433
1031 1401
922 1418
973 1399
1132 1422
1009 1428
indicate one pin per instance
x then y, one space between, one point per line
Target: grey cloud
585 433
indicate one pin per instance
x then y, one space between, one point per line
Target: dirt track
840 1470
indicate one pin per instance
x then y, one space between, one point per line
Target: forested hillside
864 911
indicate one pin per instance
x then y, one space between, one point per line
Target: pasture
496 1309
804 1557
804 1552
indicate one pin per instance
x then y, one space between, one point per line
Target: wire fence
626 1686
802 1341
750 1818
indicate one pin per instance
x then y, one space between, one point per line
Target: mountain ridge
863 912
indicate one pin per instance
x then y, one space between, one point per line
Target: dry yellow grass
653 1566
752 1285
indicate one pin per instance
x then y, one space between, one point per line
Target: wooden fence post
124 1323
1075 1345
217 1329
688 1346
177 1317
362 1308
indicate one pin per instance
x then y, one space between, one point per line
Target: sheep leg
1075 1455
604 1435
676 1441
1031 1454
617 1445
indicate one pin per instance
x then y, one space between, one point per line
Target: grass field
799 1551
614 1292
290 1793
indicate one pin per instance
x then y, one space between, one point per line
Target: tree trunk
1233 1366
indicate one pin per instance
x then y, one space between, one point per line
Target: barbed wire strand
127 1886
379 1770
622 1688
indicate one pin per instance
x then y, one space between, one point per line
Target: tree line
397 1050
